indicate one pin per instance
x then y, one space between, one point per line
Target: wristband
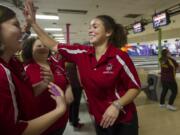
118 106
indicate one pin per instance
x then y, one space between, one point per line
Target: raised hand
29 12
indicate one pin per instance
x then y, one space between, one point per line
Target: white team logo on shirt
59 70
109 68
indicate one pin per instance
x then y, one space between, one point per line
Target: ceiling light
33 35
61 41
48 17
58 35
59 38
53 29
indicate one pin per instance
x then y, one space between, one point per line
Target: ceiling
115 8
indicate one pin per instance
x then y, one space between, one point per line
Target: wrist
61 110
117 105
33 24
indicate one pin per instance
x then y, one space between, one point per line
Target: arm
44 37
129 79
128 97
71 53
39 87
46 76
32 127
40 124
29 14
69 95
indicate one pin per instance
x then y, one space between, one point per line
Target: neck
6 57
42 60
101 49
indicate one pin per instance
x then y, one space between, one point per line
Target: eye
94 27
38 45
17 25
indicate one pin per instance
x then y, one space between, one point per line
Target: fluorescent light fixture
33 35
53 29
58 35
47 17
61 41
59 38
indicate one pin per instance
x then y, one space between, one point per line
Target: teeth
20 40
92 36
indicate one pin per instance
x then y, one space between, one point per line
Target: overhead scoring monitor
160 19
138 27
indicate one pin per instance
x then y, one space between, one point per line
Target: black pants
120 129
74 107
168 86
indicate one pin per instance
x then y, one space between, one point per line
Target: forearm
44 37
40 124
128 97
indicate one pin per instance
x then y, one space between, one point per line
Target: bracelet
118 106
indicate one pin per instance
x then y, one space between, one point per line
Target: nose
90 30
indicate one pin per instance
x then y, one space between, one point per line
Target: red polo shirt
105 80
15 99
44 101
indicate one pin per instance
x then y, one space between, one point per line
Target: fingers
53 97
107 121
46 74
57 87
112 121
29 6
45 69
109 117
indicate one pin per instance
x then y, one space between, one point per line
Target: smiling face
10 35
39 49
97 32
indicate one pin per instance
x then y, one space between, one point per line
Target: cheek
11 35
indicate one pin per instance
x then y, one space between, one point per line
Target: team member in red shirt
107 74
38 58
15 95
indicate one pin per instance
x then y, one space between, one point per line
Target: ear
108 33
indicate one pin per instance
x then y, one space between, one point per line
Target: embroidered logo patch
109 69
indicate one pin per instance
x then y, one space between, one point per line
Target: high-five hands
29 12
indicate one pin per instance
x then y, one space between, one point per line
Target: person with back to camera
38 58
16 100
168 80
108 75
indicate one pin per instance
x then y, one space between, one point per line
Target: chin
93 42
